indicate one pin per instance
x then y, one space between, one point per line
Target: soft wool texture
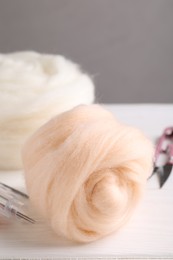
85 172
33 88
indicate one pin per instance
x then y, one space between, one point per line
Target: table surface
148 234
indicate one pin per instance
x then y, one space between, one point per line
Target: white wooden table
149 234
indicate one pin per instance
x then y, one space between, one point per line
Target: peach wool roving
85 172
35 87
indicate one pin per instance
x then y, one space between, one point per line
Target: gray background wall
127 45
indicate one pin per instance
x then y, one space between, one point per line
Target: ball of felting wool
85 172
35 87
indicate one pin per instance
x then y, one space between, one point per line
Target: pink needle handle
170 151
167 135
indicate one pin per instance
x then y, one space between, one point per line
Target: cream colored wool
33 88
85 172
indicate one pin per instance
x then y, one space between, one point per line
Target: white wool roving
33 88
